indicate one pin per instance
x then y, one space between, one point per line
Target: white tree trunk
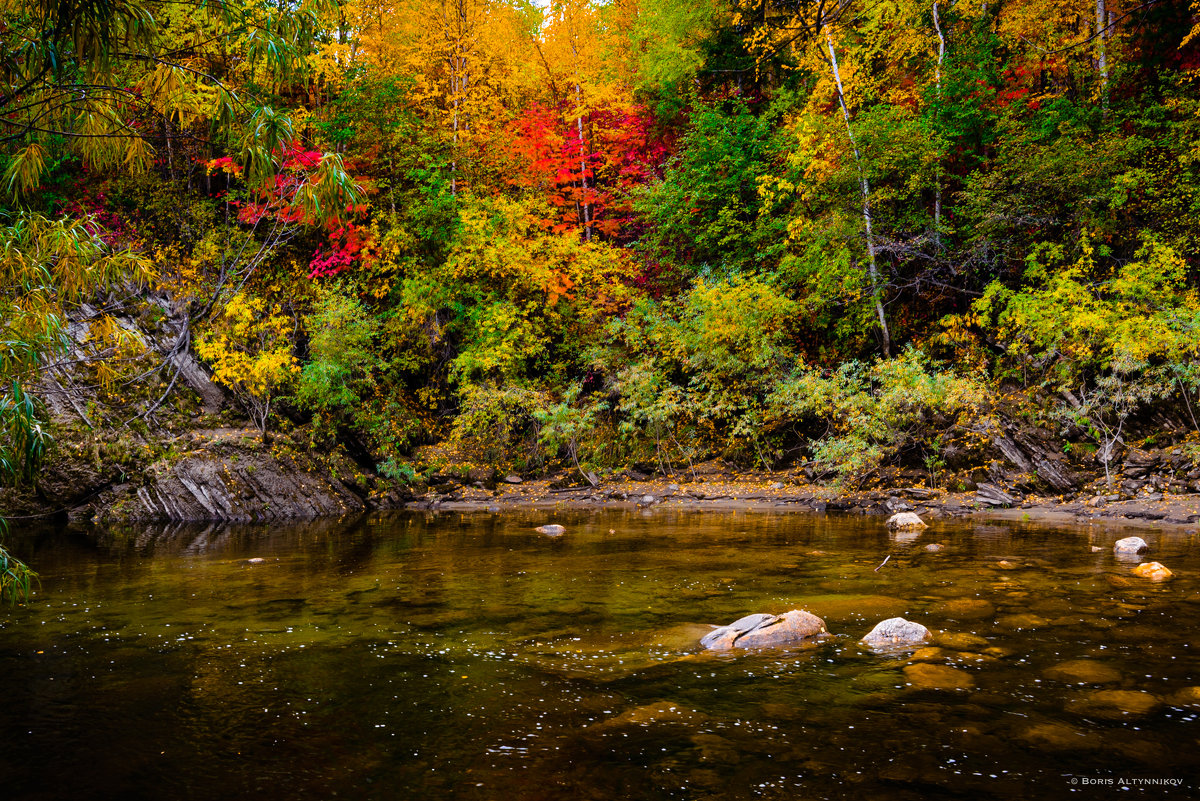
865 188
583 184
937 187
1102 51
587 212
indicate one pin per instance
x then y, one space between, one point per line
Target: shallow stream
465 656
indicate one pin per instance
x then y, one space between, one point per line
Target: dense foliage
610 233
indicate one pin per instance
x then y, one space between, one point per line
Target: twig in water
884 562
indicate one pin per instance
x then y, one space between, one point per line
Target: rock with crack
765 631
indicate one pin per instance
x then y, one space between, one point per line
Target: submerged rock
846 607
1188 696
905 521
663 713
924 676
965 609
896 632
551 529
1114 704
960 641
1154 571
1083 671
765 631
930 654
1060 737
1130 545
1021 622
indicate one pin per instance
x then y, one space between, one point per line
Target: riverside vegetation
875 241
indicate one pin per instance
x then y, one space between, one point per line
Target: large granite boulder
765 631
896 632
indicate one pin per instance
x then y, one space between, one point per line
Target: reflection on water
468 657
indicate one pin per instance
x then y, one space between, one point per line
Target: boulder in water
765 631
1154 571
1130 545
551 529
905 521
896 632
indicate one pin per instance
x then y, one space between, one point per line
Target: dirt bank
764 492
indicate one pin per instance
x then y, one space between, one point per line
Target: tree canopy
614 232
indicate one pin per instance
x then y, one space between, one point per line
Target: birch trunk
865 188
170 145
587 212
583 185
1102 51
937 187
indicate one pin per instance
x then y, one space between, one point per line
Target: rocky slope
173 446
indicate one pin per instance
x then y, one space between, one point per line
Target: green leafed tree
123 85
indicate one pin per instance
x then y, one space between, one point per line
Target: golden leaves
250 351
25 170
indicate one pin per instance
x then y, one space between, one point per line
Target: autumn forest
587 235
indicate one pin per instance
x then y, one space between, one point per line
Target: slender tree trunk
454 126
937 186
170 145
865 188
587 211
583 185
1102 52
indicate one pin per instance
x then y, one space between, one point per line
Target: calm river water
468 657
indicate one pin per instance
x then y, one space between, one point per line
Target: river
466 656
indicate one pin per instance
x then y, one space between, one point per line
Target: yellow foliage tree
249 346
